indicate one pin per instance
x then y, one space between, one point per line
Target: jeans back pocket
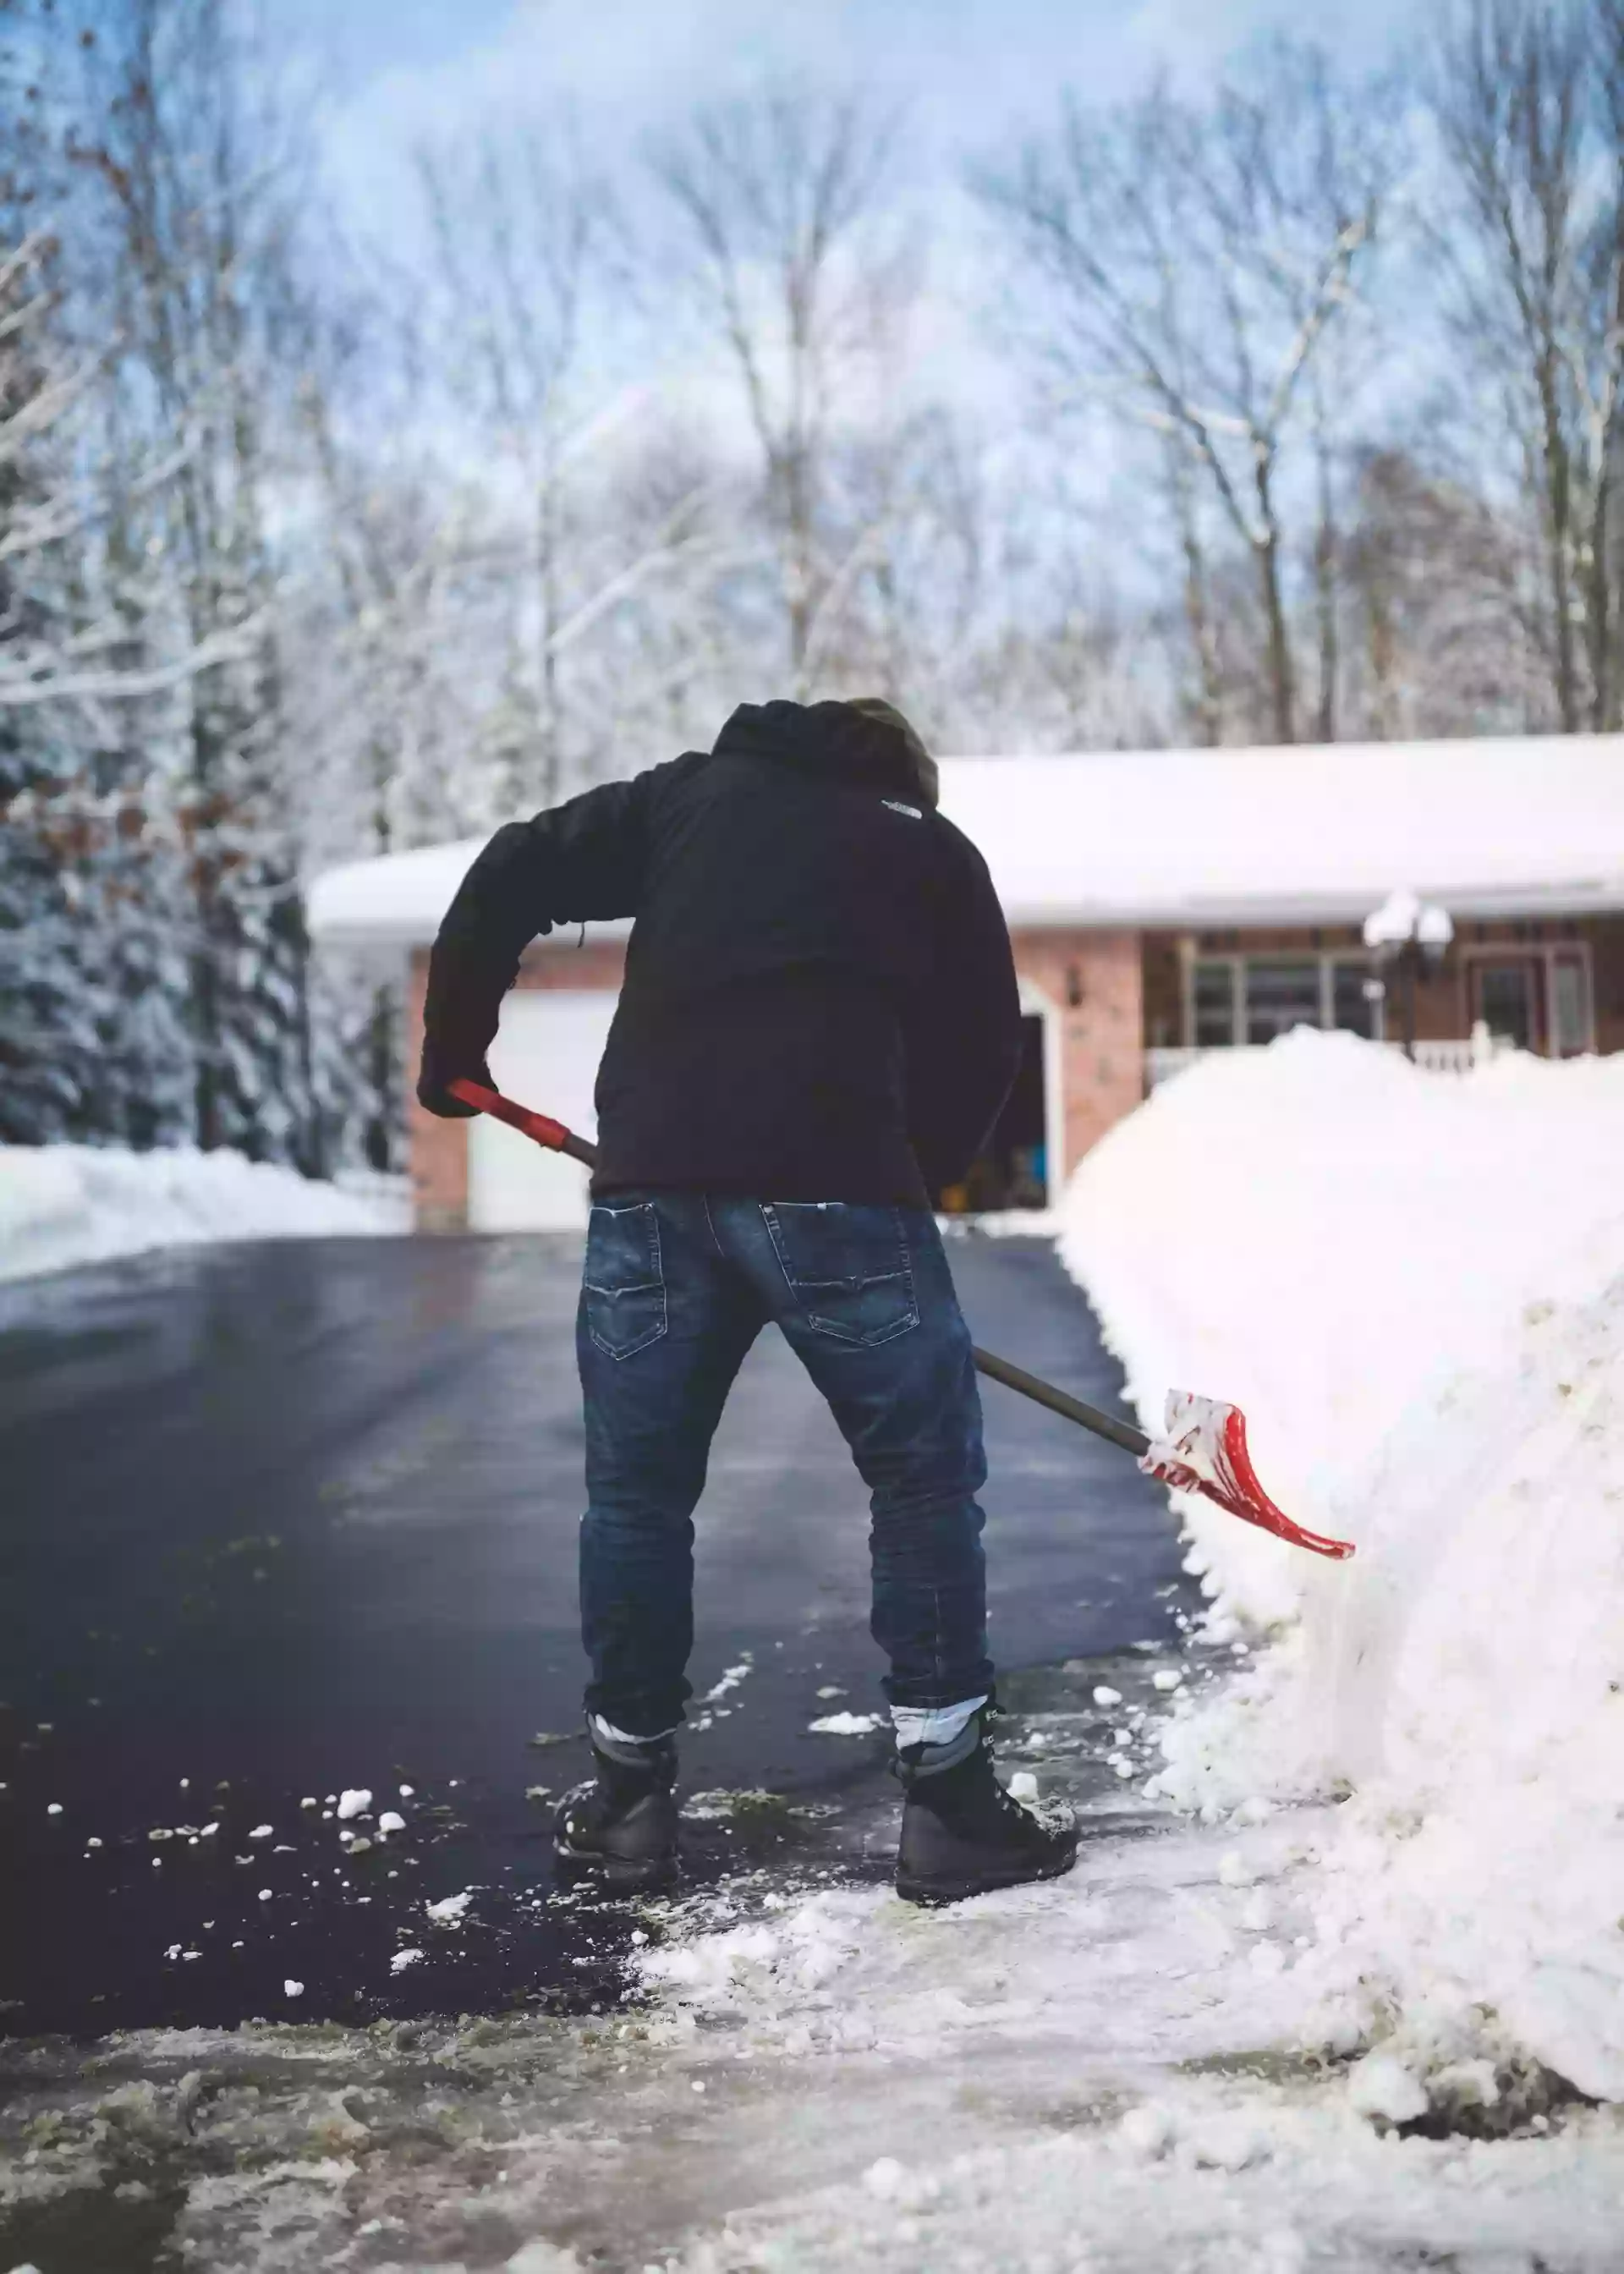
846 1264
623 1282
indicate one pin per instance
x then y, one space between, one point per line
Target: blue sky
972 69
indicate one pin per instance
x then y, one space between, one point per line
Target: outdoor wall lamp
1406 934
1074 986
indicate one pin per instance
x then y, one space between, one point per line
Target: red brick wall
595 963
1605 935
1102 1032
1164 990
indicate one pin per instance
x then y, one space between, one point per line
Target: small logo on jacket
912 811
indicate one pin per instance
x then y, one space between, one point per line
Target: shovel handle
1044 1393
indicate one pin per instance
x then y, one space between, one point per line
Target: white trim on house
1035 1001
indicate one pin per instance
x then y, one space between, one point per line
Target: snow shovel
1204 1448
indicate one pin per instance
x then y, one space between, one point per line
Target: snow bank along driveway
1415 1286
1338 1983
62 1205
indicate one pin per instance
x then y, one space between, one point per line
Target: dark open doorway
1013 1171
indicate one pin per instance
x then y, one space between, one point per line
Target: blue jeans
676 1287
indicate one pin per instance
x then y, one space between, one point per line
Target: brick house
1160 904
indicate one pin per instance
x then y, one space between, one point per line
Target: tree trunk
1282 691
1558 538
1198 612
551 754
383 1080
1381 645
799 568
1325 592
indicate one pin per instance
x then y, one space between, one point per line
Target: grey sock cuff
930 1760
632 1753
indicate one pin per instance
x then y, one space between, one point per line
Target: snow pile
62 1205
1414 1285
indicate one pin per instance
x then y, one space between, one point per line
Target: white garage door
546 1055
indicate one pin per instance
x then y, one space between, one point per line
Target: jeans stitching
657 1281
834 1332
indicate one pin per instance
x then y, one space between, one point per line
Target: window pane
1349 1008
1280 995
1570 1009
1506 1001
1214 1007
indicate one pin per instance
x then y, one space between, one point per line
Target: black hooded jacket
820 1000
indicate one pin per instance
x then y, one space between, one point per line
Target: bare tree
526 242
1526 98
1178 473
1604 611
1441 638
46 391
779 200
1195 261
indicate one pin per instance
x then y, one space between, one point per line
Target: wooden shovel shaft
553 1134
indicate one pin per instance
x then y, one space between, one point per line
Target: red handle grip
536 1126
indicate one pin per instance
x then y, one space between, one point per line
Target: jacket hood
867 746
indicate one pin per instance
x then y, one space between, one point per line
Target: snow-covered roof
1204 838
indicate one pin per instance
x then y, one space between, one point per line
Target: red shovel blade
1205 1450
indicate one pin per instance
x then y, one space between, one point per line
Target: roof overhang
1199 840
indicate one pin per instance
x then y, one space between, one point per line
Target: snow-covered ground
1338 1982
62 1205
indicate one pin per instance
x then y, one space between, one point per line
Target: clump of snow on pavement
732 1677
1414 1285
64 1205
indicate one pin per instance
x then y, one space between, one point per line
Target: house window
1506 998
1214 1002
1281 996
1535 999
1570 1004
1253 998
1353 1009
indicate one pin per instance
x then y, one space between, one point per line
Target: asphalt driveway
287 1519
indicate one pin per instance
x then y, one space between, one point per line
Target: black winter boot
620 1827
962 1833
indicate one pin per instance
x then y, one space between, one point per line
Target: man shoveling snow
820 1025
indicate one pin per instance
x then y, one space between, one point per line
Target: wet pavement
285 1520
